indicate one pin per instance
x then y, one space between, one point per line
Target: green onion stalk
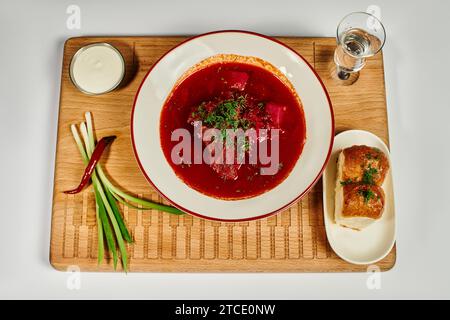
110 224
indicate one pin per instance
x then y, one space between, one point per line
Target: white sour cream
97 68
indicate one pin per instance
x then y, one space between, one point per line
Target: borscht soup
233 127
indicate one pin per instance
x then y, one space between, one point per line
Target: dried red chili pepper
98 151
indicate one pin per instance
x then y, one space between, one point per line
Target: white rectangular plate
374 242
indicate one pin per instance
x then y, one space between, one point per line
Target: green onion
146 204
100 244
97 184
116 212
110 223
106 226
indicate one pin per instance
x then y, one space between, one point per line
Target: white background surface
32 34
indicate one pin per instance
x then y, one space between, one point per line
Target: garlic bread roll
359 197
364 164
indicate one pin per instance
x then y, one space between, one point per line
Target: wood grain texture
292 241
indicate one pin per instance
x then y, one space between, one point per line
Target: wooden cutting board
292 241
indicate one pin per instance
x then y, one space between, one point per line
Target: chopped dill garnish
367 194
226 115
368 175
346 182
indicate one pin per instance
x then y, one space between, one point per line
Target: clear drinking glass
359 35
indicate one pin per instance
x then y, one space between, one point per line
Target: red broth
269 103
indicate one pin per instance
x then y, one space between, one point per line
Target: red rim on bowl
256 217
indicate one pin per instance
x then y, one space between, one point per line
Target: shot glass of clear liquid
359 35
